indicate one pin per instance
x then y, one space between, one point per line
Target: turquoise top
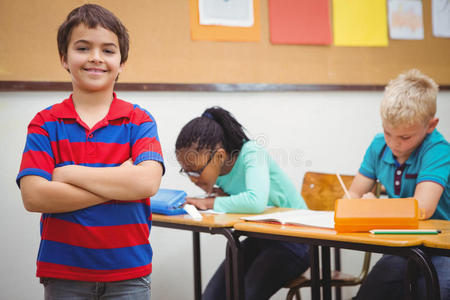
254 182
430 161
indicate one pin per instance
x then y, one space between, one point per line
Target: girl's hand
369 195
218 192
201 203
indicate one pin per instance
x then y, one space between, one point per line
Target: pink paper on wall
300 22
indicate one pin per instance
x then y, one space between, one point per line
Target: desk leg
197 266
427 270
337 267
315 273
326 273
411 280
235 261
238 272
228 272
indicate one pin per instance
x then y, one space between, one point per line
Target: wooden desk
213 224
438 244
440 241
404 245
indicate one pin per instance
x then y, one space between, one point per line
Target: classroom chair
320 191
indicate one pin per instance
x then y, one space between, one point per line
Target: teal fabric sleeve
252 168
435 164
368 166
435 167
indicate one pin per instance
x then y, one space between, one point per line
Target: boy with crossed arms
89 166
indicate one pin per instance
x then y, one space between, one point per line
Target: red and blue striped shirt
106 242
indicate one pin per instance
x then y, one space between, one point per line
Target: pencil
343 186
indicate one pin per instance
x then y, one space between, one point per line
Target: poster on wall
300 22
405 19
441 18
220 32
237 13
360 23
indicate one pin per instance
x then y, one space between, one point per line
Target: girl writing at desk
213 150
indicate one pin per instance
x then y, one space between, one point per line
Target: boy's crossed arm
41 195
125 182
75 187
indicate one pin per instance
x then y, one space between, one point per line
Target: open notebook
303 217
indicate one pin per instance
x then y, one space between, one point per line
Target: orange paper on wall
224 33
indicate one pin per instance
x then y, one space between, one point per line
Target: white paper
406 19
441 18
324 219
192 211
238 13
211 211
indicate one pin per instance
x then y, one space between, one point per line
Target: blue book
168 202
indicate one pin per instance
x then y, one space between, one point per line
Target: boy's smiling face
93 58
404 139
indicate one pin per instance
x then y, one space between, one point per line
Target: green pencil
404 231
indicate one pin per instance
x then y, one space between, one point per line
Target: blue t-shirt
430 161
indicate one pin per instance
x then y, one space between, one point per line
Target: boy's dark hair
215 127
93 15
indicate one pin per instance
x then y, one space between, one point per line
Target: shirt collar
118 109
389 158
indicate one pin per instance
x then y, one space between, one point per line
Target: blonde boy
411 159
89 166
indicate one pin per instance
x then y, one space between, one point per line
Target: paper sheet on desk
211 211
306 217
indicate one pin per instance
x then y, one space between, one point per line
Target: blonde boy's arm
361 185
41 195
428 194
125 182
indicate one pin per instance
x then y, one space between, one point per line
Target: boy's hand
59 174
369 195
201 203
127 163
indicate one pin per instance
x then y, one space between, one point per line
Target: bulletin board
163 54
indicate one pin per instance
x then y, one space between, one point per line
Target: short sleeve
435 164
145 143
368 166
37 157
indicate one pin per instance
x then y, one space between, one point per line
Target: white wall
320 131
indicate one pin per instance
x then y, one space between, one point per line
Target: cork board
161 50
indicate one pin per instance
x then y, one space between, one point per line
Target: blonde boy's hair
409 99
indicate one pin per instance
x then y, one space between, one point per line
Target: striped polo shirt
105 242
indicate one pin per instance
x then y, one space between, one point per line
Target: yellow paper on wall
360 23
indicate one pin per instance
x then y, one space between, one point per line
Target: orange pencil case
362 215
